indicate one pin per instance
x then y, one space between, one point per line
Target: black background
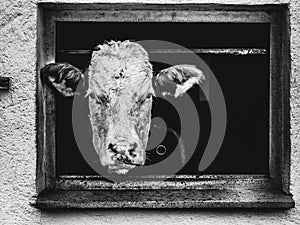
244 81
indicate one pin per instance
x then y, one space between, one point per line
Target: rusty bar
213 51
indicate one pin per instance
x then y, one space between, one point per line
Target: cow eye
142 100
138 104
100 99
103 99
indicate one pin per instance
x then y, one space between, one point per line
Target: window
246 48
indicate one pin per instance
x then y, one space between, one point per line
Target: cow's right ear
63 77
176 80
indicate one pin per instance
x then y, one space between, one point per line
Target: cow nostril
121 151
131 153
112 148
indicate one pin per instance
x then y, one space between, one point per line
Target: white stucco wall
18 135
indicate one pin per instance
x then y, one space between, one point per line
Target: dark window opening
244 80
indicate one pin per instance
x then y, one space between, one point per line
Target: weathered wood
211 198
161 16
166 4
276 103
280 146
166 182
40 167
183 191
212 51
50 106
286 75
4 83
175 177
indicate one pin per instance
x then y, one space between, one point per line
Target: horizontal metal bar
212 51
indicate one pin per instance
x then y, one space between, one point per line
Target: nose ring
161 150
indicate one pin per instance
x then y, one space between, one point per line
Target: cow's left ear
63 77
177 80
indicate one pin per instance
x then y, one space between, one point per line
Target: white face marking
120 83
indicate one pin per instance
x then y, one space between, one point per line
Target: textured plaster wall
18 135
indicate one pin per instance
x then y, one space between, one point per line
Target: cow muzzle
125 156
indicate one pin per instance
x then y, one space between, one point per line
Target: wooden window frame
182 191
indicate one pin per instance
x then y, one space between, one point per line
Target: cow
120 87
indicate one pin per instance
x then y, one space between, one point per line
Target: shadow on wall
166 216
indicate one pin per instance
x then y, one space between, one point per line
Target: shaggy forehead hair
123 49
120 66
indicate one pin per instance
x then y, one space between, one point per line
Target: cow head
120 89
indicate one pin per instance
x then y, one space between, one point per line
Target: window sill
212 198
